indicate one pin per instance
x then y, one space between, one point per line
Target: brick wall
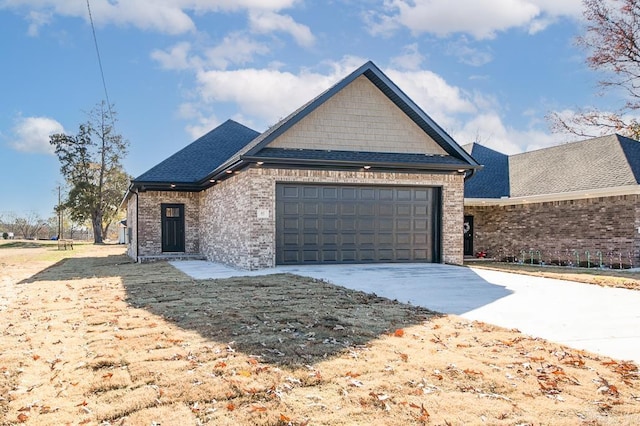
232 233
605 224
149 221
132 224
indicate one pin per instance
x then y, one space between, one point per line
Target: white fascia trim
561 196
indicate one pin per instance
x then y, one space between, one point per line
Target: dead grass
95 339
602 277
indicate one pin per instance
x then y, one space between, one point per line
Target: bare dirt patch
94 339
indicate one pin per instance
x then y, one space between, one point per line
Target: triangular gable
390 90
358 118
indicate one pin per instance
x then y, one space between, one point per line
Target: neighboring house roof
195 161
595 165
493 180
232 146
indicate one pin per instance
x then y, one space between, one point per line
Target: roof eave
360 164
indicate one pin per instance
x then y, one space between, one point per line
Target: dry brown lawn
87 337
629 279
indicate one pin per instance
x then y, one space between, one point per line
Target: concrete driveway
599 319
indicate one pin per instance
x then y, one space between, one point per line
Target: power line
104 83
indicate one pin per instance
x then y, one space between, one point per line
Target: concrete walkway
598 319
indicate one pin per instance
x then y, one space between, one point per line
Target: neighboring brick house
359 174
563 204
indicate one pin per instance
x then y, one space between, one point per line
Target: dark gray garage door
356 224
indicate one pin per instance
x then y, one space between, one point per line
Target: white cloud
265 96
176 58
165 16
235 49
481 19
410 59
268 21
32 134
466 54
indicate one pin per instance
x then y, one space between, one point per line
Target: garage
356 224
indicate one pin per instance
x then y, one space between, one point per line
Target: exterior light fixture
173 185
460 170
260 163
212 180
229 172
367 167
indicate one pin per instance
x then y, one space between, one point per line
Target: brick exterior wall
132 225
556 228
149 222
232 233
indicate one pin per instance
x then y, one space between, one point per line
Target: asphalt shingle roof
195 161
231 142
354 156
597 163
576 166
493 180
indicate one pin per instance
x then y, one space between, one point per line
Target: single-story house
568 204
358 174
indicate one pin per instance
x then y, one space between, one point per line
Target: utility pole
59 214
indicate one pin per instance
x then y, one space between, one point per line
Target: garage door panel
328 239
351 224
348 255
329 255
366 209
367 239
403 210
329 193
311 208
291 208
385 210
329 208
311 192
289 191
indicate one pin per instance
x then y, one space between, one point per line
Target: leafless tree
612 41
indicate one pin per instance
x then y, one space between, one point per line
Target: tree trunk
96 222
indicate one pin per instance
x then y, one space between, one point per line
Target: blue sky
487 70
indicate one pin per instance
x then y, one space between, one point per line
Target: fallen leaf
258 408
107 376
22 418
284 418
220 364
399 332
244 373
230 406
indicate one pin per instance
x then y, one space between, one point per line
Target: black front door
468 235
172 227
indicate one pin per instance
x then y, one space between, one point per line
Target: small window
172 212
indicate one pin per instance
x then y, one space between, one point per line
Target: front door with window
172 227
